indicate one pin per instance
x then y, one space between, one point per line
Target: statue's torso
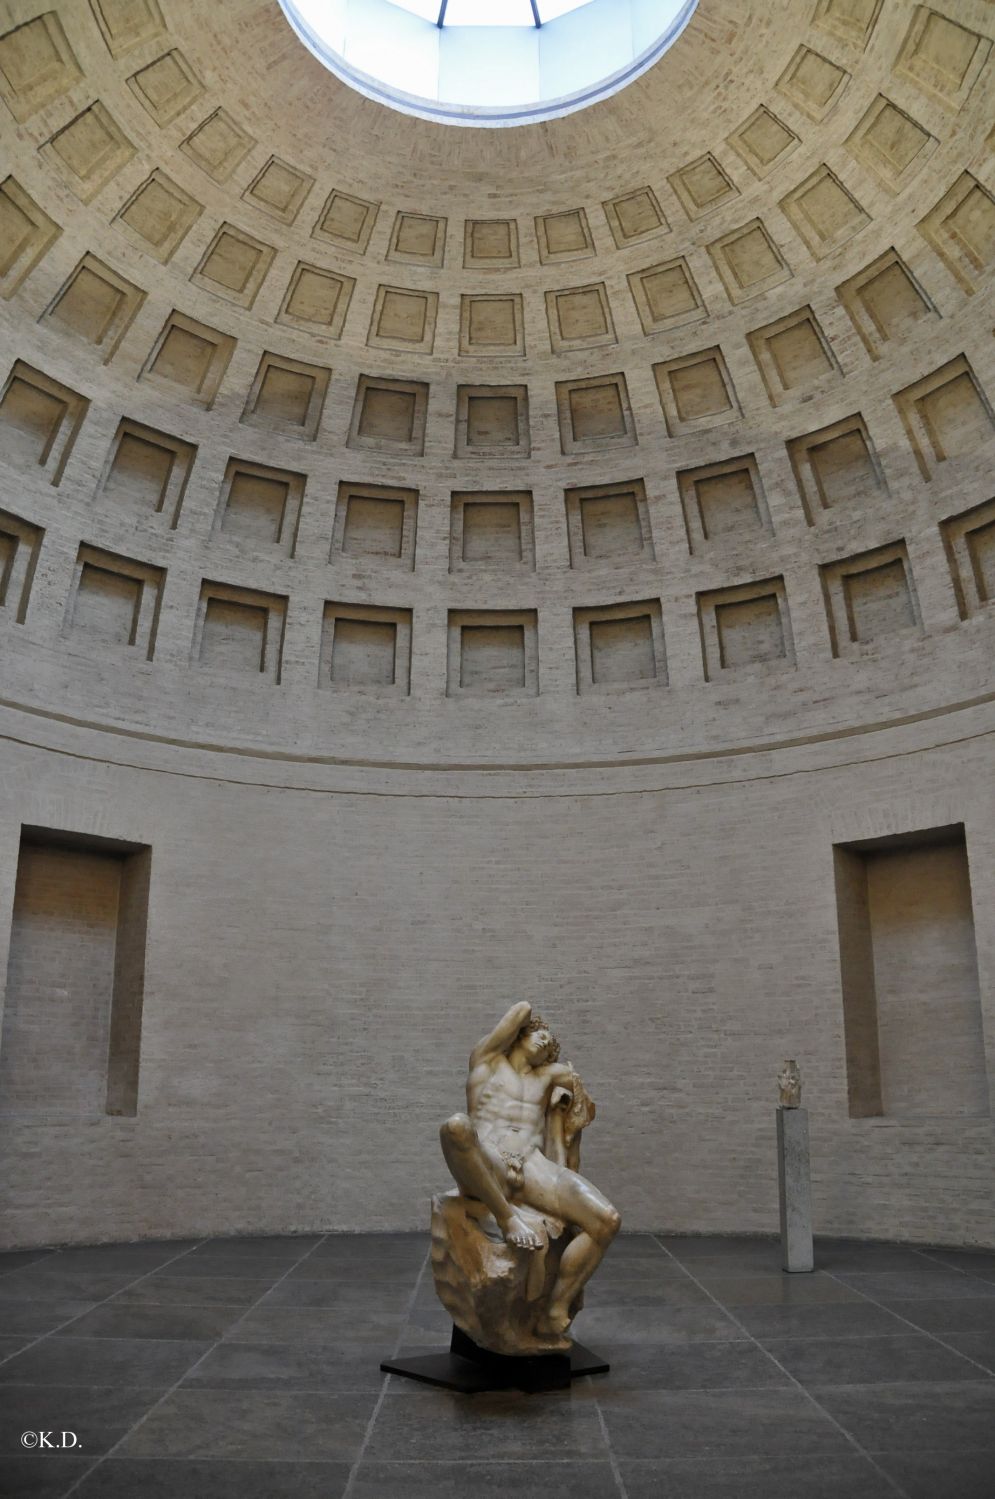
508 1107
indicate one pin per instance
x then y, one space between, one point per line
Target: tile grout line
935 1254
378 1406
893 1485
102 1302
612 1459
196 1364
922 1331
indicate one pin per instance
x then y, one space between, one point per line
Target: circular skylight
488 62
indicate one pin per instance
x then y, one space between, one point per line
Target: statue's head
538 1042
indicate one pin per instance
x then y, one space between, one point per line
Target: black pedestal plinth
472 1370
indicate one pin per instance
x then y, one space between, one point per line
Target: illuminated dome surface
488 62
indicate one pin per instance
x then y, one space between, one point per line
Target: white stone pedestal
795 1187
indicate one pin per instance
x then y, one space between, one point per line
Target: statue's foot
554 1323
516 1231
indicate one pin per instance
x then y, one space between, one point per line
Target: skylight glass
488 62
427 9
489 13
549 10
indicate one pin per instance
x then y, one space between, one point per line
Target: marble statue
515 1244
789 1083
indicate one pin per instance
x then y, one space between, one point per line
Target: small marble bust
789 1083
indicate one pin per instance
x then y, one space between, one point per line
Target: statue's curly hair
538 1024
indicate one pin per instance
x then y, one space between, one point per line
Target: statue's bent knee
458 1130
611 1222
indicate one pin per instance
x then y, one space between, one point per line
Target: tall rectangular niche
72 1021
909 972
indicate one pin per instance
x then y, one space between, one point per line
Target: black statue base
473 1370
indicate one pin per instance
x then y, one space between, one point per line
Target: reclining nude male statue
513 1248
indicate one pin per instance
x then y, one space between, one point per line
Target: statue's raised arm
504 1035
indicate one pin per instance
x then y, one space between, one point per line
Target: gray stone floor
248 1367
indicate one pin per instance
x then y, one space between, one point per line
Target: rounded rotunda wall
713 440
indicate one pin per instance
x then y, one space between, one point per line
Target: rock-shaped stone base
496 1292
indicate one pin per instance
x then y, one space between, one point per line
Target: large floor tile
940 1475
11 1345
288 1366
163 1289
756 1478
932 1284
779 1290
711 1246
948 1314
836 1255
107 1259
444 1428
376 1245
692 1366
293 1324
971 1261
718 1423
485 1480
16 1259
857 1319
979 1346
355 1297
378 1250
653 1324
268 1267
428 1322
728 1267
639 1270
860 1361
636 1246
276 1246
99 1415
347 1271
35 1318
247 1424
138 1320
662 1293
214 1478
40 1283
102 1361
912 1417
41 1475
